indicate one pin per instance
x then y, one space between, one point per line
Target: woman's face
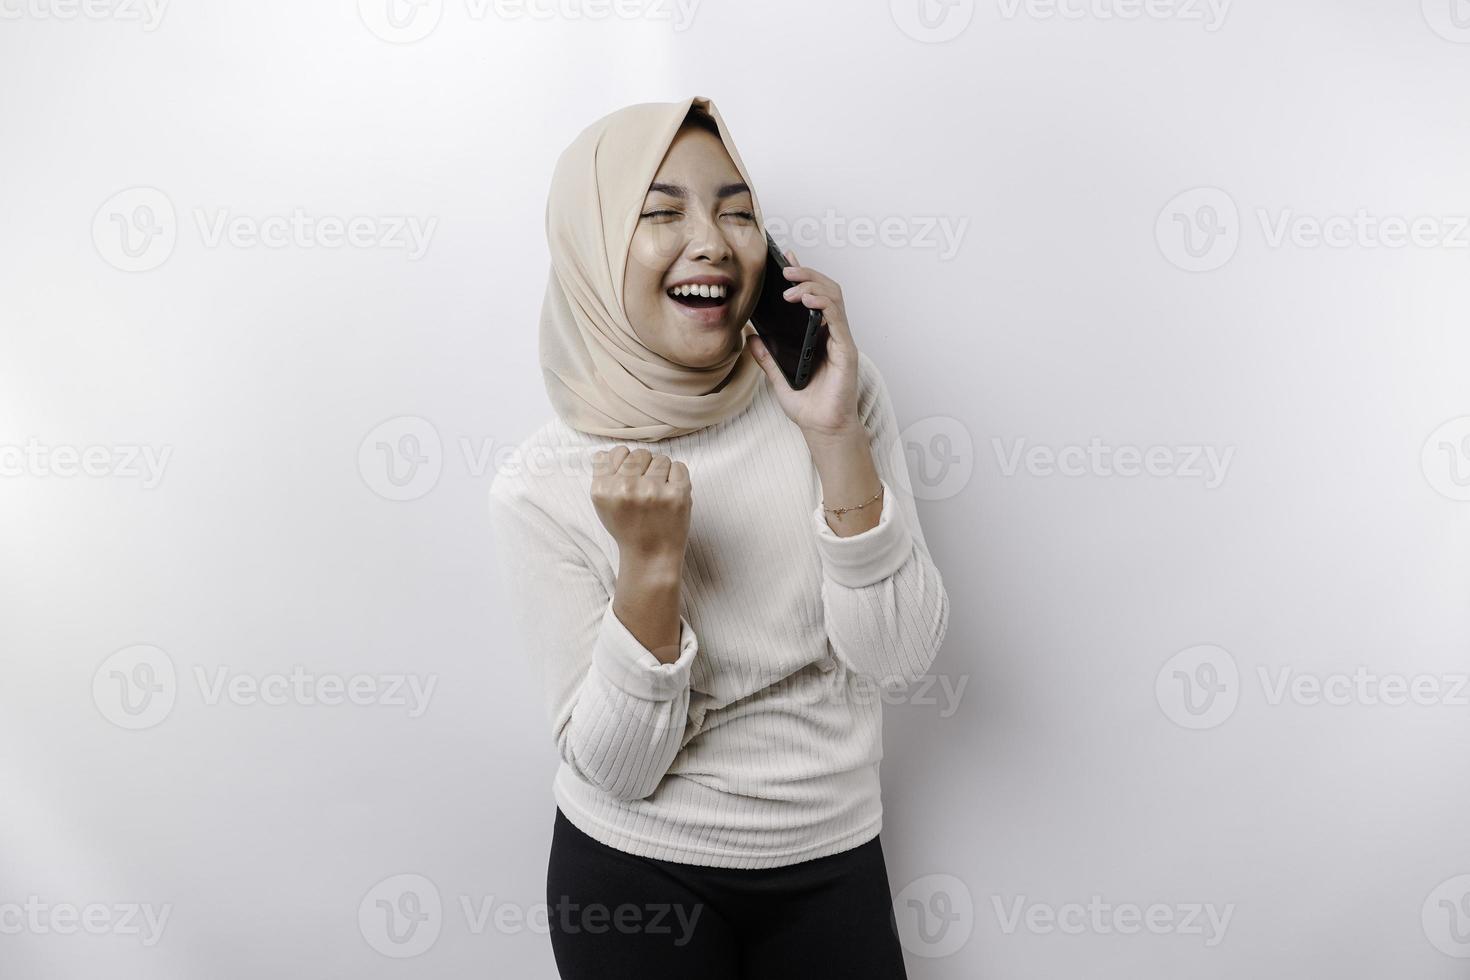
696 226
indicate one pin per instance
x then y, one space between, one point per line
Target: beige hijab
601 378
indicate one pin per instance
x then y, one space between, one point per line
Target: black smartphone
795 335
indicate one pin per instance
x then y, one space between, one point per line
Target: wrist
652 569
842 437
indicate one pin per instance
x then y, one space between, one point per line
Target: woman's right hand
644 500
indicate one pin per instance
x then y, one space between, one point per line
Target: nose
707 241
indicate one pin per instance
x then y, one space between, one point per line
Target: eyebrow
676 190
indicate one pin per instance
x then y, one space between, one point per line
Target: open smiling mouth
699 297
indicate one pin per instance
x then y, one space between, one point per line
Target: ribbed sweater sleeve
617 713
884 601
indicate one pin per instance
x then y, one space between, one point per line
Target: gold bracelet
839 511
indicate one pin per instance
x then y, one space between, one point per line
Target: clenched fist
644 501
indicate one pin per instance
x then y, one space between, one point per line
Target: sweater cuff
871 556
629 665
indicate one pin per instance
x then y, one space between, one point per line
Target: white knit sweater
759 747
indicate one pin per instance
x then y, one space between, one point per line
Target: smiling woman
709 670
617 360
697 257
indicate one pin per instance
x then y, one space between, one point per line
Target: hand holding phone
795 336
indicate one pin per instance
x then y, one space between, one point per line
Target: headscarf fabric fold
601 378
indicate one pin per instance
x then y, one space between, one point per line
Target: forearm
618 711
646 601
629 716
845 465
884 602
891 630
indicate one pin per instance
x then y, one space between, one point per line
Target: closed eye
748 215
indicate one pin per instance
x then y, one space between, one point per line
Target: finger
611 459
600 463
794 293
635 463
658 469
832 315
805 273
837 326
679 475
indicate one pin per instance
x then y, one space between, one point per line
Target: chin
709 350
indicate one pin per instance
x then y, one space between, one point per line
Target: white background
1077 766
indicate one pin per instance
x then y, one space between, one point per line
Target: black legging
617 915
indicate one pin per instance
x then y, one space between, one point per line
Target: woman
710 671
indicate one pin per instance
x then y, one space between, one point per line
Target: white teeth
708 292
